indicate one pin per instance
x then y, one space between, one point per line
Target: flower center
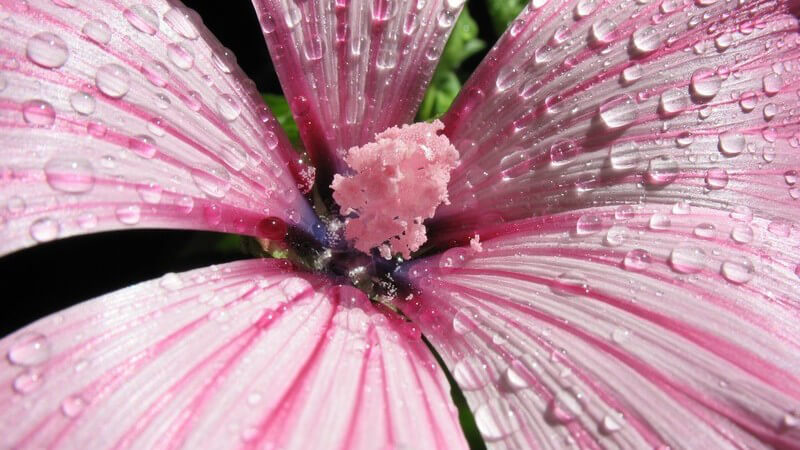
396 183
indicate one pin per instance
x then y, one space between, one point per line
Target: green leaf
446 82
502 12
280 108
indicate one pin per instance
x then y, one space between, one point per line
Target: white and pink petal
118 115
647 329
250 354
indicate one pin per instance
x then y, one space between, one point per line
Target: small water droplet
452 259
618 111
637 260
82 102
73 405
69 175
471 373
773 83
563 151
673 101
705 83
563 407
603 30
150 192
646 39
156 73
129 214
214 181
570 283
180 55
662 170
588 224
29 349
113 80
620 335
748 101
87 221
180 19
705 231
143 145
495 419
731 143
624 212
47 50
616 235
28 381
659 222
45 229
742 233
228 107
465 320
716 178
97 31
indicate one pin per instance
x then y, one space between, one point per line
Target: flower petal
248 354
642 334
116 117
351 69
586 103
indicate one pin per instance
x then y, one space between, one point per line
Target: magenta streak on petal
354 416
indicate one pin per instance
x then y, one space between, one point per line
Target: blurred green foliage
280 108
502 12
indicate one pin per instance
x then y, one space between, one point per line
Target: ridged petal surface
244 355
130 114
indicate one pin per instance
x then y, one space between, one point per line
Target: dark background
50 277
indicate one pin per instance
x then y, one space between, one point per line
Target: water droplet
73 405
616 236
171 282
610 424
637 260
659 222
738 270
156 73
465 320
603 30
790 176
673 101
45 229
620 335
28 381
452 259
773 83
272 228
180 19
705 231
584 7
687 259
563 407
632 73
495 419
47 50
129 214
142 18
186 204
716 178
87 221
150 192
233 155
742 233
731 143
705 83
563 151
113 80
38 113
646 39
588 224
662 170
29 349
143 145
224 59
742 213
624 212
82 102
513 376
748 101
618 111
214 181
97 31
228 107
570 283
180 55
770 111
471 373
69 175
624 155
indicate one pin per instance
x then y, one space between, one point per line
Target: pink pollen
399 181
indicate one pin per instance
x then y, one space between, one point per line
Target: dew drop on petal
156 73
716 178
150 192
228 107
143 145
662 170
69 175
659 222
180 55
646 39
142 18
97 31
772 83
113 80
45 229
673 101
495 419
742 233
687 259
215 181
738 270
73 406
731 143
570 283
618 111
471 373
29 349
82 102
603 30
637 260
47 50
588 224
705 231
616 235
38 113
180 20
705 83
623 155
129 214
28 381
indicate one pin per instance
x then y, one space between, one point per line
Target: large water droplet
465 320
603 30
738 270
142 18
180 55
673 101
471 373
748 101
180 19
616 235
150 192
731 143
69 175
646 39
47 50
45 229
38 113
563 151
82 102
29 349
156 73
716 178
687 259
228 107
659 222
705 83
772 84
588 224
97 31
742 233
214 181
624 155
113 80
28 381
705 231
495 419
143 145
662 170
618 111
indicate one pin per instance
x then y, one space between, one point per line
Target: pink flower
613 263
